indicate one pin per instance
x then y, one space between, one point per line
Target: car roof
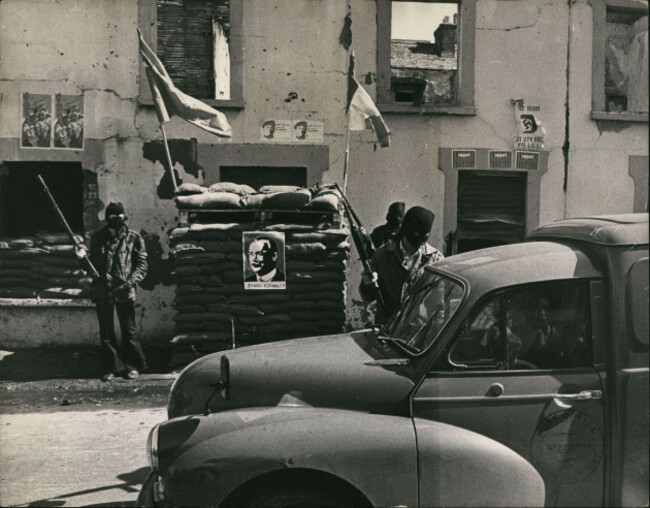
614 230
519 263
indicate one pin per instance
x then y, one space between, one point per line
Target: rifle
362 241
72 236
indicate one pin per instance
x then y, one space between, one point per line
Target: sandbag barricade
211 298
43 266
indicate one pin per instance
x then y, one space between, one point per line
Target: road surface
75 458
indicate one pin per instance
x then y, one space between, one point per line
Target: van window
538 326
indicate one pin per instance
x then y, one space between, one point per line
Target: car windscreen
425 310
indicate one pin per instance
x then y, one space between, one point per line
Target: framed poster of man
264 260
36 129
69 126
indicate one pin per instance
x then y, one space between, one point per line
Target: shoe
133 374
108 377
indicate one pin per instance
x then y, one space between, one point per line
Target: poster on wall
264 260
307 131
275 130
69 121
530 129
36 131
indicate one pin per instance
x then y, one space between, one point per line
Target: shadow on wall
183 151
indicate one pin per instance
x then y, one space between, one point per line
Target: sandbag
56 238
279 188
221 267
259 297
325 200
204 280
190 257
237 309
23 264
215 326
269 308
286 200
198 337
21 243
288 227
198 298
20 272
58 271
187 270
323 264
17 292
187 189
22 282
315 276
232 275
181 249
229 246
60 261
331 304
235 188
187 327
186 289
64 293
202 317
216 200
190 308
325 295
304 249
253 200
60 250
265 320
327 237
23 253
65 282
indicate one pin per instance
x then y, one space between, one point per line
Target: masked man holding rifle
398 263
120 257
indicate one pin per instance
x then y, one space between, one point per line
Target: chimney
446 20
455 18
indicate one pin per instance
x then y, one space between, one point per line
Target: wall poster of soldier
264 260
36 129
307 131
69 125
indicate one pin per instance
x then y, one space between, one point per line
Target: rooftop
409 54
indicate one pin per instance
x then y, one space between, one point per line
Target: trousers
125 353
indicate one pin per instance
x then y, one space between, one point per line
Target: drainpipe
567 113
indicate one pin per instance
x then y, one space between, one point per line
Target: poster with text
264 260
69 122
307 131
36 129
530 129
275 130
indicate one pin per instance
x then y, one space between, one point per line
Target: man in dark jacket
400 262
386 232
120 257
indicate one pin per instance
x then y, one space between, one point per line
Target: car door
521 371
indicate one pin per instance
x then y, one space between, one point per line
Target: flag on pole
170 101
360 107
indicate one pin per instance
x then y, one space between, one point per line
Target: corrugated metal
463 159
527 160
185 42
500 159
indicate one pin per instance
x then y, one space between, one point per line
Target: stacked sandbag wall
208 269
42 266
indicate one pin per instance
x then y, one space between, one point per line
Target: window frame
598 105
466 50
148 23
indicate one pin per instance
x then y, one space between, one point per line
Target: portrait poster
307 131
36 131
275 130
69 122
264 260
530 129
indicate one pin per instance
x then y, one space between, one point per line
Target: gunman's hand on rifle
80 251
369 278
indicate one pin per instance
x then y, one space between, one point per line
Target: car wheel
295 497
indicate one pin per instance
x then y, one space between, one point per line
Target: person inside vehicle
398 263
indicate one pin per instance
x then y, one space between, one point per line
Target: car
510 376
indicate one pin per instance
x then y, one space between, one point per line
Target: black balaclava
115 209
416 225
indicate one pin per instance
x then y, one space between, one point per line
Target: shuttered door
185 41
491 208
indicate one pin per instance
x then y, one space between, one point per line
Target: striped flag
360 107
170 101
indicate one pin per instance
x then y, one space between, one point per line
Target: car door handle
583 395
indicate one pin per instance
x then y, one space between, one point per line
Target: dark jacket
383 234
121 262
392 276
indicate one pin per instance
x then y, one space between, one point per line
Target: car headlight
152 448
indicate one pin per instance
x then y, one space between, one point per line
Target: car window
540 326
425 310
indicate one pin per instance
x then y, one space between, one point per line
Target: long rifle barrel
66 225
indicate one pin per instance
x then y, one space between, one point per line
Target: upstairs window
620 87
425 55
199 43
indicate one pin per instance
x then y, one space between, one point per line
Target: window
199 42
542 326
620 79
425 54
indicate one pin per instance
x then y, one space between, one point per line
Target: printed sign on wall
299 131
530 130
69 126
36 129
264 260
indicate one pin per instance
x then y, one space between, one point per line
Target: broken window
424 52
424 47
626 61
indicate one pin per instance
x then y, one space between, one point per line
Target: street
75 458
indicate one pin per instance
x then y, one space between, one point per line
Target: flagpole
169 157
346 160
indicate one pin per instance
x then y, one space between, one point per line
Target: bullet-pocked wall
292 60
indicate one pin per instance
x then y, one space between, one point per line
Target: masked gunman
387 232
400 262
120 257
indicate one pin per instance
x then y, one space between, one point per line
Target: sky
418 20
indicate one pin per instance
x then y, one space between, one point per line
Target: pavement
42 379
